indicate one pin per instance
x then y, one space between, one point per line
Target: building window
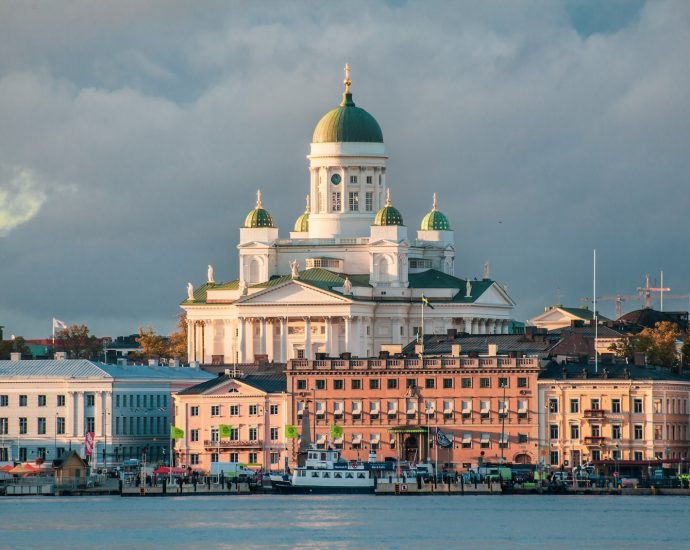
638 431
60 425
273 409
502 382
522 438
594 404
553 405
274 434
41 426
485 382
234 436
429 383
370 180
41 400
369 202
466 382
615 405
637 406
91 424
574 405
214 457
252 434
4 400
194 459
553 431
252 458
356 384
447 383
354 201
194 435
411 383
336 203
522 382
215 410
553 458
275 458
338 384
638 456
301 384
374 384
234 457
4 426
234 410
23 424
392 383
194 411
574 431
596 430
22 400
616 431
320 384
61 401
91 400
353 179
253 410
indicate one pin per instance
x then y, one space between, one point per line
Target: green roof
258 217
388 215
434 221
302 223
432 278
582 312
347 122
201 291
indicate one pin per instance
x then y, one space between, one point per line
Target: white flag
59 324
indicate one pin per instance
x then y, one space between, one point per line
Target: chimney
493 350
60 355
455 350
451 333
564 373
418 349
174 362
121 361
15 356
153 362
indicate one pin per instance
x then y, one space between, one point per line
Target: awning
467 406
467 438
411 406
485 438
338 441
502 407
522 406
374 438
356 407
356 438
164 470
300 407
392 407
374 407
447 407
338 408
430 407
391 440
484 406
503 438
321 439
320 408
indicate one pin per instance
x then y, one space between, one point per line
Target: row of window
41 425
149 401
594 455
428 383
353 201
155 425
595 405
249 458
41 400
141 425
233 410
596 431
235 434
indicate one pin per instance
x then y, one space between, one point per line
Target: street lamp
314 393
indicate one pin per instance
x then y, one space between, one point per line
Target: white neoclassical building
350 277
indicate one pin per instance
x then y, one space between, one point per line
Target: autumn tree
685 351
177 341
152 344
658 344
78 343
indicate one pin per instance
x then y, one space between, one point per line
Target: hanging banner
88 444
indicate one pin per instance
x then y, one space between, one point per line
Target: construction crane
647 290
618 299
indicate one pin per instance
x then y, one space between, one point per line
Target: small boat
325 471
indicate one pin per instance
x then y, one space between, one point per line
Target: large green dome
388 215
347 123
259 217
435 220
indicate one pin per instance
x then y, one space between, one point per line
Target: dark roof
611 371
269 383
440 344
648 318
587 331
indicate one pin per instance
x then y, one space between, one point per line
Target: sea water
364 521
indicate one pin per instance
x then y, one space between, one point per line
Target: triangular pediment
293 292
553 316
495 296
234 387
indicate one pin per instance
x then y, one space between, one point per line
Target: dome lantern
259 217
435 220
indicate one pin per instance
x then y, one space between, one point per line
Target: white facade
47 407
347 284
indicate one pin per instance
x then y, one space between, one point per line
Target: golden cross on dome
434 207
347 80
258 198
388 197
307 208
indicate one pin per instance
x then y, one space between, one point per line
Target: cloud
21 198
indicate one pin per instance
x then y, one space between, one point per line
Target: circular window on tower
335 179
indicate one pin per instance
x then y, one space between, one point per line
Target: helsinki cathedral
350 278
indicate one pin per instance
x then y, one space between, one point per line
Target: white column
329 327
283 339
190 340
348 334
357 337
99 407
241 328
74 410
262 335
307 338
270 339
228 339
249 339
395 327
81 408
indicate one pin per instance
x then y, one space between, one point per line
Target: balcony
594 414
594 440
228 444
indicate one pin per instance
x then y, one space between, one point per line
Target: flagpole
421 355
596 322
170 459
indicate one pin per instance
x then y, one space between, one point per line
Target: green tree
9 346
78 343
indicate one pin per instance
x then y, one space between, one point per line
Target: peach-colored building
618 413
393 407
256 407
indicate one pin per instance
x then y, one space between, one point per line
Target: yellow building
613 413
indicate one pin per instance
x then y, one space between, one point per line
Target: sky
133 137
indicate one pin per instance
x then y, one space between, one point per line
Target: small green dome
259 217
347 123
435 220
302 223
388 215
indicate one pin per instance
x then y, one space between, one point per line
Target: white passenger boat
326 472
